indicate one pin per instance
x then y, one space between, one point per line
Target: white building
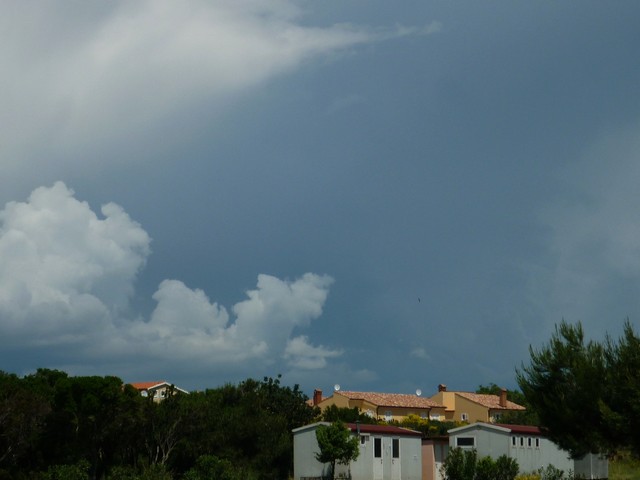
386 453
528 446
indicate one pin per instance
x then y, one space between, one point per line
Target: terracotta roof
391 399
147 385
389 429
490 401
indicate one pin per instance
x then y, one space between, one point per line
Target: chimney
317 396
503 397
442 387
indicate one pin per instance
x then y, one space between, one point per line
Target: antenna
336 387
418 392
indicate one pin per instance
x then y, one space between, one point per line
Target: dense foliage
586 394
465 465
54 426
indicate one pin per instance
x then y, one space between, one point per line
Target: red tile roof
147 385
490 401
391 399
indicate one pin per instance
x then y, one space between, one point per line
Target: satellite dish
418 392
336 387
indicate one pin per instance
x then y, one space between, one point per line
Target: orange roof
490 401
147 385
391 399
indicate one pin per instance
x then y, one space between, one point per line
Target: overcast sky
383 195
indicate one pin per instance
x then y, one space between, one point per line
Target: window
464 417
522 441
537 443
377 447
514 442
529 442
465 441
388 415
363 439
395 448
423 414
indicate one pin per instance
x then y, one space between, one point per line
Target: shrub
486 469
460 464
211 467
506 468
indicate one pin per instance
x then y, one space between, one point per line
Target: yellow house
474 407
383 406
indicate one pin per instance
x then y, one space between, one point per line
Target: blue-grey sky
384 195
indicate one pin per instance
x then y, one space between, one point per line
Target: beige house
157 390
383 406
474 407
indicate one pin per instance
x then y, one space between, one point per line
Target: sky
381 195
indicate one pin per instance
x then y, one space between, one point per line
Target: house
474 407
528 446
386 453
383 406
157 390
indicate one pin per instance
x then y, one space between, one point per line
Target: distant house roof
142 386
490 401
148 385
391 399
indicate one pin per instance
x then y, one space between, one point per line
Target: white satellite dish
418 392
336 387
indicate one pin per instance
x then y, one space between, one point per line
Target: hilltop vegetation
53 426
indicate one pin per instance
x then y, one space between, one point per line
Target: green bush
465 465
486 469
210 467
79 471
506 468
460 464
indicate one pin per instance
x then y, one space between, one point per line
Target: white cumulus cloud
67 277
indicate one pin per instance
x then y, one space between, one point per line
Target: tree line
55 426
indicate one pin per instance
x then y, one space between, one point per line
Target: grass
624 467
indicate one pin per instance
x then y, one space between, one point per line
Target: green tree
337 445
586 394
563 384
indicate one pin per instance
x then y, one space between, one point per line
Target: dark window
513 441
395 448
465 442
377 447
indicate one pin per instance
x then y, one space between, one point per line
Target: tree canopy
586 393
53 425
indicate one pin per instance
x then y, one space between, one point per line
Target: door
395 459
378 467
